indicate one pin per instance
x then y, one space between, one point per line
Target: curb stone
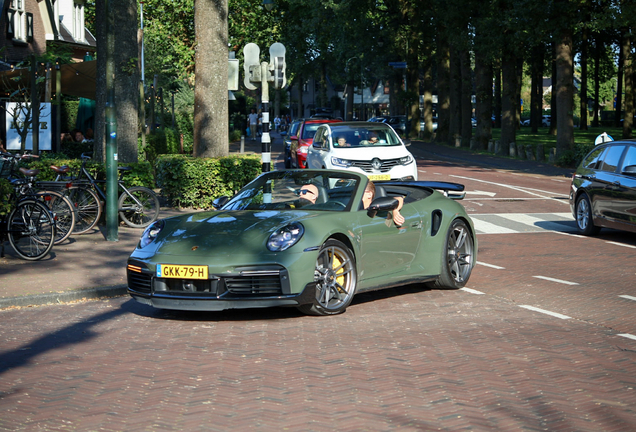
63 297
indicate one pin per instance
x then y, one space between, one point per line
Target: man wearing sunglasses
309 193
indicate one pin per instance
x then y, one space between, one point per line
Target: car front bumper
250 287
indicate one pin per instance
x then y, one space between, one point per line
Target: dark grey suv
603 190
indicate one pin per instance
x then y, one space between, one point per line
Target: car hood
223 233
369 153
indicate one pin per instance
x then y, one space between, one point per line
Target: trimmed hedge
6 204
140 175
195 182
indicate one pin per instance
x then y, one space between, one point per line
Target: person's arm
398 219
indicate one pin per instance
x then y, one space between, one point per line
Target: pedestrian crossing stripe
513 223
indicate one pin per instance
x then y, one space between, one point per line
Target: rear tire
457 258
136 216
87 208
584 222
63 212
31 230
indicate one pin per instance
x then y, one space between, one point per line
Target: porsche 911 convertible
303 238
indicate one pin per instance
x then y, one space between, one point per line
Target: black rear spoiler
453 191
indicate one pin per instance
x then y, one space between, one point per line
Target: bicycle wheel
31 230
138 214
87 206
63 213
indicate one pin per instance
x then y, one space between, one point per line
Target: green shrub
140 175
73 150
6 203
196 182
572 158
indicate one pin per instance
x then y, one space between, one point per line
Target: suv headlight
285 237
151 233
340 162
406 160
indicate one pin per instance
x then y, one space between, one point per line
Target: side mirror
220 202
629 170
317 145
382 204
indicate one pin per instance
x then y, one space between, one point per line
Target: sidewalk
88 266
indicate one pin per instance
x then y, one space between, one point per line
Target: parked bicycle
61 207
138 206
29 226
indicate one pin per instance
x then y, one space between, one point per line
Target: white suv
369 148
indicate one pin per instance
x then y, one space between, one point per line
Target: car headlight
303 149
340 162
151 233
406 160
285 237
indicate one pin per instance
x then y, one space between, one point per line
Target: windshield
364 136
289 190
310 130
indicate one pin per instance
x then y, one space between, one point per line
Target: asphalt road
542 338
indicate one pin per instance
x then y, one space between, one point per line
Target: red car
305 137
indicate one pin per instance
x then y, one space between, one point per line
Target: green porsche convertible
304 238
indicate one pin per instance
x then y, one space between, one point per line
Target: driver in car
307 195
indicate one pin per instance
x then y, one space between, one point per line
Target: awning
78 79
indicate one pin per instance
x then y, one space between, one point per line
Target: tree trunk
597 62
127 80
583 90
628 119
509 101
99 145
413 87
519 70
619 89
466 102
497 101
428 100
484 99
455 97
211 135
443 91
349 101
553 104
564 93
536 96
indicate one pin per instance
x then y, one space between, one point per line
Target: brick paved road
409 359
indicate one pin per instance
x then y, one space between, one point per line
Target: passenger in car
368 197
342 142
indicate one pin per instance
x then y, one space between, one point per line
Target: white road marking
555 280
627 335
522 189
490 228
628 297
472 291
621 244
554 314
490 265
478 192
533 221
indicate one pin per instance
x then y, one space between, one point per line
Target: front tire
584 223
336 278
31 230
457 258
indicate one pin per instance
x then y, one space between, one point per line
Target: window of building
78 21
16 20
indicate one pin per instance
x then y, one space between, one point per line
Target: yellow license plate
380 177
182 271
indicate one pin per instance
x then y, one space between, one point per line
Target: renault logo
376 163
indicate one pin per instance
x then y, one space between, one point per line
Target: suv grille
386 165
